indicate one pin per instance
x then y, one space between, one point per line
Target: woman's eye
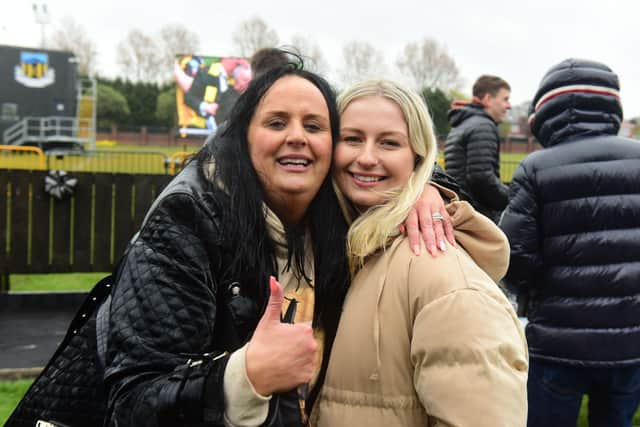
389 143
312 127
276 124
350 139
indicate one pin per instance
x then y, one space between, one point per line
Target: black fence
85 233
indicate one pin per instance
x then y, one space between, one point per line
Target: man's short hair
487 84
267 58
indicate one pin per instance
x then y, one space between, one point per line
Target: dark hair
267 58
243 217
487 84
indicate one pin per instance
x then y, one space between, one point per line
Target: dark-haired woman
194 337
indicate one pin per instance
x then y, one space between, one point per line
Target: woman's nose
296 135
367 156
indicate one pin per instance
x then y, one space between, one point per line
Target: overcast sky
517 40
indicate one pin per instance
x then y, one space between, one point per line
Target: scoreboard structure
36 83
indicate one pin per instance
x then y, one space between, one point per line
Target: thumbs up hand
274 305
280 356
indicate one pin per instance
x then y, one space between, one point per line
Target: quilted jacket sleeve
482 168
162 316
520 223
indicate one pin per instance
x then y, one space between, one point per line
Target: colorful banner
207 88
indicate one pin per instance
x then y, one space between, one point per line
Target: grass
12 391
10 394
52 282
583 421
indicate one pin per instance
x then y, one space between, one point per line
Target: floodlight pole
41 14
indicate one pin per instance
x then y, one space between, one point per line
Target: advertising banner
207 88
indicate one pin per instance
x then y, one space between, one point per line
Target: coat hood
461 112
576 98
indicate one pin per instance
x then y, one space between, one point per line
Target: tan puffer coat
429 341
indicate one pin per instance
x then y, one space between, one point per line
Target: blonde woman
422 341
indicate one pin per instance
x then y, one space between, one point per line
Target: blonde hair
378 226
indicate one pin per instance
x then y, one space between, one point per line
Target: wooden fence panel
85 233
82 231
142 189
40 225
4 204
102 225
124 226
146 192
19 238
60 232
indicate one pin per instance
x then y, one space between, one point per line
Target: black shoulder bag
69 391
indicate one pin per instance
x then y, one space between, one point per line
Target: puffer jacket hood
576 98
458 115
472 157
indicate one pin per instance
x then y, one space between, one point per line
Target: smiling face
498 105
290 145
374 154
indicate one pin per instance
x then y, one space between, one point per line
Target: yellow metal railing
176 161
20 157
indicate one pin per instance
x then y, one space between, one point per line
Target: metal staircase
86 113
80 129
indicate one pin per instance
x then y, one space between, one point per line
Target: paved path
30 335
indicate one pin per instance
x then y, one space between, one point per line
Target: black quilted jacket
573 223
163 366
472 158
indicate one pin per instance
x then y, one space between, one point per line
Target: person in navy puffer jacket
573 222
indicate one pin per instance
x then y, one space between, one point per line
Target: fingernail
416 249
443 247
433 250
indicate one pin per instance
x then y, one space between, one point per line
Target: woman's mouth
367 179
294 164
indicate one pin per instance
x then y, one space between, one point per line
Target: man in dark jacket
472 150
573 222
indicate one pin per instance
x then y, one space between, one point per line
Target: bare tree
71 36
175 39
254 34
311 53
138 57
429 65
360 60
